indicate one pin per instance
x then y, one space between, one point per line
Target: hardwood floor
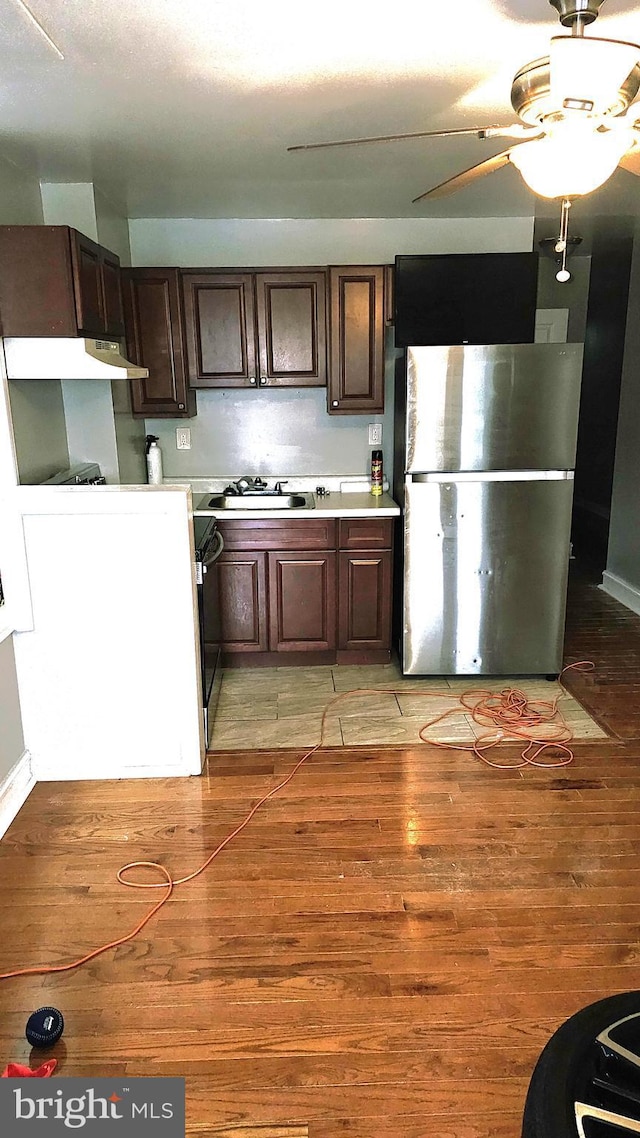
383 951
600 629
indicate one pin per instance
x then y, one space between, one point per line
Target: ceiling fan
573 131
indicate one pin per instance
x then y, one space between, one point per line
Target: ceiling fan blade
515 130
586 73
459 181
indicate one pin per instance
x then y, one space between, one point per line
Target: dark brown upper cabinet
356 370
56 282
155 340
256 329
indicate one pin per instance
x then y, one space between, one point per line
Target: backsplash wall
39 428
276 432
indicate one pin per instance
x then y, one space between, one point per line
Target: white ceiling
185 108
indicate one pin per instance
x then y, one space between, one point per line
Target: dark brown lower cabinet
306 591
364 607
243 601
302 601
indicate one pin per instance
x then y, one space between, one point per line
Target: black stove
208 547
85 474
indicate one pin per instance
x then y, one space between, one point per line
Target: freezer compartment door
496 407
486 566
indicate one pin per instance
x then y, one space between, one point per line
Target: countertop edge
336 505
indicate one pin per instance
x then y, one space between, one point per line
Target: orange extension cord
508 713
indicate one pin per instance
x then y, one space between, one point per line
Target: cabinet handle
180 406
263 379
335 403
252 379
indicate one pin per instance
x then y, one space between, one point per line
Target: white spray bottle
154 461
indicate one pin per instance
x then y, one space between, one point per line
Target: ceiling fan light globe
570 161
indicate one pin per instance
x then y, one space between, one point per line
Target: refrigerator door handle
493 476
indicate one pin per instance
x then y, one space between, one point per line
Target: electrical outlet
375 434
183 438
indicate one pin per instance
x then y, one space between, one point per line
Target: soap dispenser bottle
154 461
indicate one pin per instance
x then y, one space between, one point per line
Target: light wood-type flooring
283 707
382 952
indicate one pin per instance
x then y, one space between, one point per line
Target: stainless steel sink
261 501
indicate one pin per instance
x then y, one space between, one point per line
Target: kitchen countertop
348 496
336 504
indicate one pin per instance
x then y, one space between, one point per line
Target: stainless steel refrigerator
489 449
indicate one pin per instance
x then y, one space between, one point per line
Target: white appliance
56 358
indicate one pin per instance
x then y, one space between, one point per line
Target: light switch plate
375 434
183 438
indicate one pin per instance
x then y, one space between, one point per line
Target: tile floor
283 707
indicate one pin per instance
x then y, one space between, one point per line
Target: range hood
55 358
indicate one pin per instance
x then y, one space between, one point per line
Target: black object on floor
44 1027
586 1083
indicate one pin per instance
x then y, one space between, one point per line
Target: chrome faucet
247 484
279 486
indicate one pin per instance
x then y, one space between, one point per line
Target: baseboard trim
14 790
621 590
53 772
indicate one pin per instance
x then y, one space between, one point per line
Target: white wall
622 576
11 737
20 202
318 241
129 437
39 428
113 227
70 203
86 208
16 778
109 674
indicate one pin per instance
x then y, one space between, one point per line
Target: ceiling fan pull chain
563 273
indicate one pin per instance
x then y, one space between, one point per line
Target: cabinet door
243 601
356 373
364 600
112 294
365 533
292 329
302 590
280 533
36 283
220 325
55 281
389 304
155 341
87 280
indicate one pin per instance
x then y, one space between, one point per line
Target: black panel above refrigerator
465 298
